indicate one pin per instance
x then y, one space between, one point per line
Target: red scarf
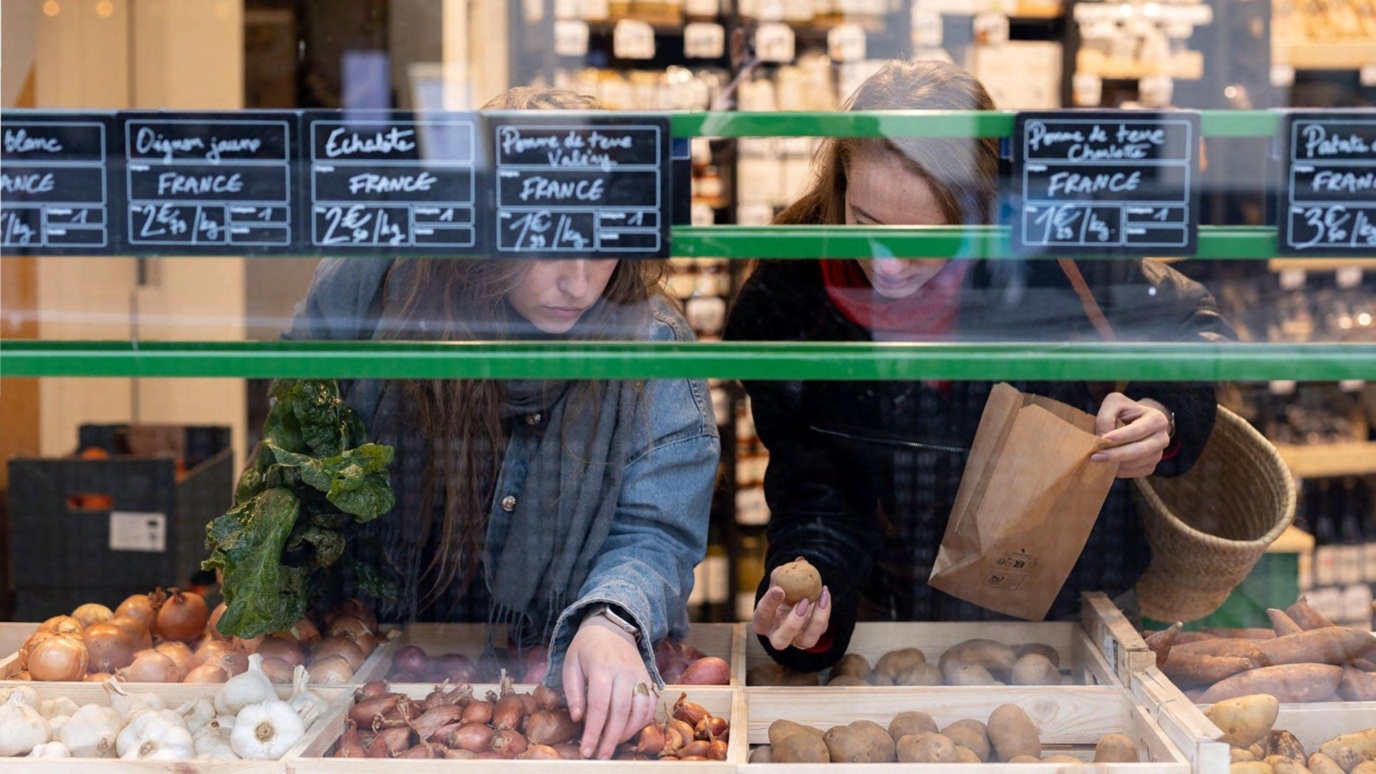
929 313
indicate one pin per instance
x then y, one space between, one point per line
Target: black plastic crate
61 547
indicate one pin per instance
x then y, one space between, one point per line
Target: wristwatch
607 611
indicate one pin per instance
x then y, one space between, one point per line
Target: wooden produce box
1070 719
725 641
721 701
1314 724
1101 649
12 637
174 695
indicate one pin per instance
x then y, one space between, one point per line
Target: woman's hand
800 625
1138 444
606 681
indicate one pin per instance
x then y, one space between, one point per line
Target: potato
1035 669
1365 767
966 755
1240 756
926 748
971 734
846 681
860 742
781 729
1244 720
800 748
1284 744
1012 733
1258 752
1349 750
1322 764
1281 765
760 755
1250 767
896 662
800 581
993 656
852 664
911 723
922 674
1063 759
970 674
1115 748
777 674
1026 759
1040 649
881 680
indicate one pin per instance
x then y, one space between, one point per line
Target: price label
704 41
991 29
145 532
633 39
774 43
571 38
927 27
1282 76
1327 202
702 9
594 10
846 43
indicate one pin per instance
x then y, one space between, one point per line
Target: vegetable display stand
174 695
1101 649
12 636
726 703
1070 720
1182 721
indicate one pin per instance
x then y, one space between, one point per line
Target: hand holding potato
798 625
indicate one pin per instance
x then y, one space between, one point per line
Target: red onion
411 659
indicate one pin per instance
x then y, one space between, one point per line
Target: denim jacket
659 533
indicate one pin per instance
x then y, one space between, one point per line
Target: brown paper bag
1026 504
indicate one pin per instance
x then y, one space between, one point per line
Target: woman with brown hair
573 512
862 476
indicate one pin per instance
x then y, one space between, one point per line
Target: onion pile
678 664
453 723
172 637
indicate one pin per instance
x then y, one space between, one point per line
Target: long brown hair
962 173
465 300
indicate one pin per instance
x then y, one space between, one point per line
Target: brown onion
695 749
211 650
372 688
547 698
278 671
551 727
339 646
183 616
508 713
283 650
540 752
508 743
334 670
368 710
460 755
212 627
478 712
97 677
247 647
569 751
91 613
143 639
712 728
396 739
366 643
650 740
718 750
61 624
151 666
473 737
347 626
356 609
58 657
181 656
303 632
143 607
209 672
108 647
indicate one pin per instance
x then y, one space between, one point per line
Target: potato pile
1009 736
1305 658
454 724
973 662
1248 725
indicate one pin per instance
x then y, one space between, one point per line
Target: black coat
869 511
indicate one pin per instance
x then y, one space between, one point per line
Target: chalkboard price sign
1106 183
1328 192
588 186
55 198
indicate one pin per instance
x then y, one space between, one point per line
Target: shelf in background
1357 458
1326 55
1029 361
1278 265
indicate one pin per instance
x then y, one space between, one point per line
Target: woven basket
1208 528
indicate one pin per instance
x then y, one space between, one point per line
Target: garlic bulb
264 732
213 734
251 687
156 735
27 696
55 725
56 708
197 714
22 728
302 696
92 731
222 753
51 750
130 704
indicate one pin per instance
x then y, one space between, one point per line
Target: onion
366 643
356 609
332 670
347 626
92 613
207 673
282 650
303 632
212 627
181 656
183 616
143 607
277 670
247 647
98 677
411 659
151 666
58 657
339 646
236 663
211 650
143 639
109 647
62 624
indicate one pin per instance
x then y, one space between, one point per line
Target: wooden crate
720 701
1314 724
12 636
1183 722
174 695
1101 649
1071 720
725 641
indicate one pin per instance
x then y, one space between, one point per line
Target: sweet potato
1357 685
1283 624
1240 634
1365 767
1244 720
1330 645
1288 683
1161 642
1248 649
1307 617
1364 664
1185 637
1187 669
1349 750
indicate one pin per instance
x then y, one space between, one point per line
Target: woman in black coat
862 475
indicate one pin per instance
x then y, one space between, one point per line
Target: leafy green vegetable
314 475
